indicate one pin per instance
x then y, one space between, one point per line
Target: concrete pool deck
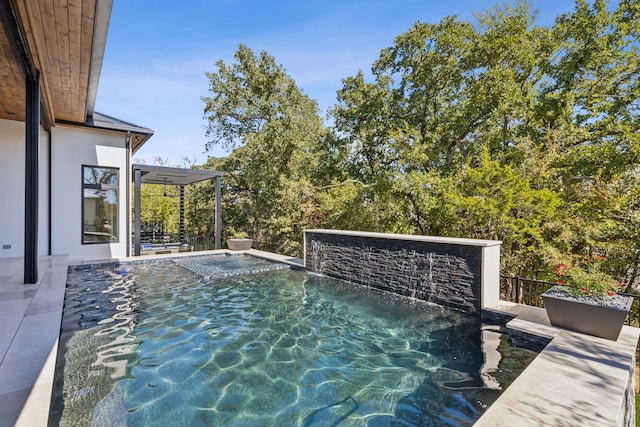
29 327
577 380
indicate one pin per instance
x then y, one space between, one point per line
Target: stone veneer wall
446 271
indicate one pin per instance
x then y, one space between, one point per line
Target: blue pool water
239 341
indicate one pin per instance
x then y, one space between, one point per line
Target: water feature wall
462 274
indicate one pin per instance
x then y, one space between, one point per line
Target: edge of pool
29 331
589 385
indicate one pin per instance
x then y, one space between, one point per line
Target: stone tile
38 331
47 299
10 406
9 323
18 287
16 294
35 411
435 271
30 318
16 306
43 305
296 262
20 373
29 350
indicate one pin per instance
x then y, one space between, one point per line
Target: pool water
148 344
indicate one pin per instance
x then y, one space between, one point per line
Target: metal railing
201 243
529 292
198 243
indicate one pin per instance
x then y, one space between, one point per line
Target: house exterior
64 168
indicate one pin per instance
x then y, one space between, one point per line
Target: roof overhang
101 28
173 176
63 40
138 134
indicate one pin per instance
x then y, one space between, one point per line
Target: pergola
144 174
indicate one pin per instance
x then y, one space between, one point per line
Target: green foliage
200 205
492 129
494 201
159 205
586 277
277 133
501 129
237 235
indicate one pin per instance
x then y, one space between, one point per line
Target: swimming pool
238 341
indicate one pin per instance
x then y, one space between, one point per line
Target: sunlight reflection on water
166 346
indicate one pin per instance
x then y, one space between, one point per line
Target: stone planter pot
588 317
239 244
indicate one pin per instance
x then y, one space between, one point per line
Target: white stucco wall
73 147
43 198
490 275
12 188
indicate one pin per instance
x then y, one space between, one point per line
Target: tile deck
29 327
576 380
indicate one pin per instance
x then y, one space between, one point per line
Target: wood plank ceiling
59 35
12 84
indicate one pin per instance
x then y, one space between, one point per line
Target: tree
502 129
586 131
494 128
276 133
159 207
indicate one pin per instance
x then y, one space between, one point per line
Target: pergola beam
181 228
218 231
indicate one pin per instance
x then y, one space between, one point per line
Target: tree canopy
495 128
277 135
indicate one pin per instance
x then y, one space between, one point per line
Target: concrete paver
577 380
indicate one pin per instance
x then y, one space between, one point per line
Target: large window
99 204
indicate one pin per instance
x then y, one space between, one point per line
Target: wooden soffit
65 41
12 82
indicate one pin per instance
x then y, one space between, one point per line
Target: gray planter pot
239 244
589 318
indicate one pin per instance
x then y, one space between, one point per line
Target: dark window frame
100 187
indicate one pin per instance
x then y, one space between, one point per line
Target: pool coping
409 237
587 388
591 383
31 316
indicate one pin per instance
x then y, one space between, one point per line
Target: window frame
99 187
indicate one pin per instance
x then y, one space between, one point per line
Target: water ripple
240 344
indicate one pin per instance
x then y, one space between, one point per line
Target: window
99 204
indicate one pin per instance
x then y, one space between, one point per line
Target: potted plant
239 241
586 299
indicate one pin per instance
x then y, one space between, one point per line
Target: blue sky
159 50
